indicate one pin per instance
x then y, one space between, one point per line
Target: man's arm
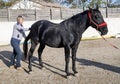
21 29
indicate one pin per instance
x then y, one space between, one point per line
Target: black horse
66 34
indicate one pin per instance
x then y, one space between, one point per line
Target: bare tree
48 0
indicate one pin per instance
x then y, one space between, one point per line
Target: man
18 34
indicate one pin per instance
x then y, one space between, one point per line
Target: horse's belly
52 40
53 43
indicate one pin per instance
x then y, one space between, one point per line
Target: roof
47 4
42 3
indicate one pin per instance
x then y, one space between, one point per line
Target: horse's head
97 21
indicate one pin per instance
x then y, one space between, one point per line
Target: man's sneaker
20 69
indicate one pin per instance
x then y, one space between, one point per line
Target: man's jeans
16 52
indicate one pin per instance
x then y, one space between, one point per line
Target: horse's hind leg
40 50
33 46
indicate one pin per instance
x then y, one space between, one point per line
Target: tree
70 1
83 4
100 3
4 4
48 0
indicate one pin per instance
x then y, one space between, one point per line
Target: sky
115 1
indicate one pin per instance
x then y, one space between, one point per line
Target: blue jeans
16 52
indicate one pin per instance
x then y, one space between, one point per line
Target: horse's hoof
25 60
40 64
43 68
30 72
69 77
76 74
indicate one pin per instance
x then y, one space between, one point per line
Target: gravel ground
97 63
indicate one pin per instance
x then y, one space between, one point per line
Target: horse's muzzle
103 30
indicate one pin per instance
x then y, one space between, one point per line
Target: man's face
20 20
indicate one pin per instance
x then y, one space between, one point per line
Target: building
33 4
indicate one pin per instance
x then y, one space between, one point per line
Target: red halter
100 25
97 25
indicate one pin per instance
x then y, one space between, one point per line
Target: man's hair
20 17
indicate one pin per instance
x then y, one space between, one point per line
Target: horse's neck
83 23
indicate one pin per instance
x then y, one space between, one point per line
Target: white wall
7 28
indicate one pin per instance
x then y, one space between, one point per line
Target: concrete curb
83 39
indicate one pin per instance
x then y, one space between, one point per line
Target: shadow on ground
46 66
99 65
5 57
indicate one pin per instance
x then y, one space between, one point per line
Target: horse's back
38 28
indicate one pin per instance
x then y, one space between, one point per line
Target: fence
50 14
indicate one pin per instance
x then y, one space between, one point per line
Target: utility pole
83 2
77 3
106 8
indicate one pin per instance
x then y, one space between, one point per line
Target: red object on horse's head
102 24
98 25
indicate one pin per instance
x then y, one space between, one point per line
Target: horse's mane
77 16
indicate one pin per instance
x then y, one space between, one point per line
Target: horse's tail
25 46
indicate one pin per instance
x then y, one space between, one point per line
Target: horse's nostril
106 30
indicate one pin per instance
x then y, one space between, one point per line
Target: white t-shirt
19 31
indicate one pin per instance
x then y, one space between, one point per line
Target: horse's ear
90 8
97 7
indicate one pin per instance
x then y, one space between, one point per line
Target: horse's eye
96 16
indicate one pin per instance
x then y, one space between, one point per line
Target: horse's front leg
40 50
67 58
74 50
33 46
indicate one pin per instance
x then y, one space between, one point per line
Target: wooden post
35 14
61 13
106 8
51 13
8 14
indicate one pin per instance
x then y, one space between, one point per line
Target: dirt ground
97 63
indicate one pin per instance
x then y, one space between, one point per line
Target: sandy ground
97 63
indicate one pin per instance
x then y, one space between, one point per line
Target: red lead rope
101 25
110 43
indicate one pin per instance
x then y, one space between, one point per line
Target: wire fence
51 13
